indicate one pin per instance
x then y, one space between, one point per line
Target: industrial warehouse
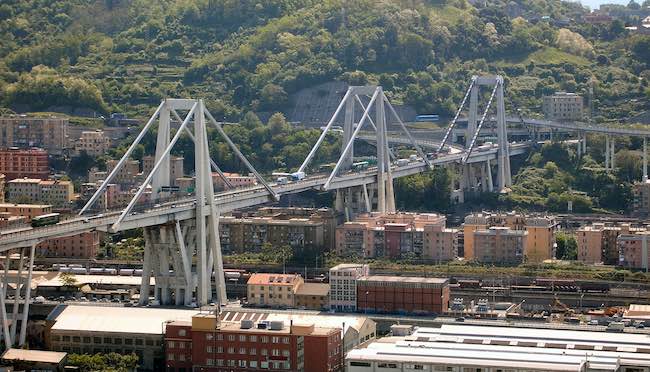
469 348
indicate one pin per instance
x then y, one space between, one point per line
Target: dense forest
103 56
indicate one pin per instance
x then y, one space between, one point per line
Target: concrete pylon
472 115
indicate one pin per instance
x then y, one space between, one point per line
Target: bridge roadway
184 209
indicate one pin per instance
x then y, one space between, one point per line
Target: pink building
633 250
396 235
235 179
84 245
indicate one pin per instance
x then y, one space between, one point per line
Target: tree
104 362
641 49
273 97
567 246
278 124
68 279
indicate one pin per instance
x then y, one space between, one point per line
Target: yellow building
94 143
276 290
540 240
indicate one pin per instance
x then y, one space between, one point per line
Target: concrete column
584 143
612 153
645 160
472 116
503 153
348 129
607 149
19 280
28 290
162 176
3 307
489 175
145 285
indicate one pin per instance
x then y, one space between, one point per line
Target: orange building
540 240
20 163
500 245
633 250
273 289
28 210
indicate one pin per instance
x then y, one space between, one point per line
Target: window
182 332
181 357
128 341
231 337
285 353
220 349
209 349
252 363
359 364
66 338
209 362
387 365
265 339
231 350
275 352
252 351
181 345
97 340
138 341
209 336
107 340
264 352
219 336
242 350
242 338
285 340
242 363
275 339
86 340
171 344
252 338
170 356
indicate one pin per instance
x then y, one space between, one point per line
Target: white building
469 348
343 285
562 106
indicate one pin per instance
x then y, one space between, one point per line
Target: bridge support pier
645 160
610 151
3 296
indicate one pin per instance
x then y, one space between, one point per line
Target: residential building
400 294
93 143
28 210
358 330
312 296
176 169
277 290
24 190
328 216
59 194
235 179
343 285
123 330
597 243
84 245
474 348
641 203
26 132
633 250
563 106
21 163
597 18
210 344
394 235
8 222
500 245
129 174
248 234
539 244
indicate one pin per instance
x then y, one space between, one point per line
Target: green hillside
119 55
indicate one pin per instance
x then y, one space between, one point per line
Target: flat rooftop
313 289
95 280
511 347
403 279
298 317
37 356
136 320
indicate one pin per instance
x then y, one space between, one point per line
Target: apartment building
597 243
21 131
20 163
343 285
129 174
93 143
563 106
176 169
84 245
209 344
276 290
251 233
57 193
399 294
28 210
397 235
328 216
641 202
539 244
633 250
500 245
